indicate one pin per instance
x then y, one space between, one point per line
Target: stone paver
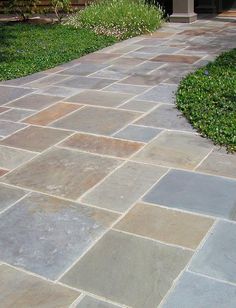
57 232
198 291
29 291
142 270
196 192
106 187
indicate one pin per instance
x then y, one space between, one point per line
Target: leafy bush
60 8
120 18
22 8
208 99
28 48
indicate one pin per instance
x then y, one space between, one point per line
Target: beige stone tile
174 149
166 225
219 164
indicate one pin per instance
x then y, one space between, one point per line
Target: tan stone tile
100 98
176 58
102 145
166 225
219 164
174 149
19 289
35 138
161 34
52 113
62 172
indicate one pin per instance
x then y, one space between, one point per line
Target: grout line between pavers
177 279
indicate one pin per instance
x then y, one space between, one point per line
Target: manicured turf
28 48
208 100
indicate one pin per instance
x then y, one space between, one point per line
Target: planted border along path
107 195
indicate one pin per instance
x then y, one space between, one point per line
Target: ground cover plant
120 18
208 100
27 48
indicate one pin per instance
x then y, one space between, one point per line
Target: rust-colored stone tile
102 145
3 171
176 58
35 138
166 225
52 113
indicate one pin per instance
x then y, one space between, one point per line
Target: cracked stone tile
35 101
62 172
197 193
102 145
34 138
100 98
175 149
165 225
11 158
197 291
19 289
52 113
129 261
104 121
125 186
217 256
45 235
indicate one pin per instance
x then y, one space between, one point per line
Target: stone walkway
108 197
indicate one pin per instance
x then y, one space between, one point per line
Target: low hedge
120 18
207 98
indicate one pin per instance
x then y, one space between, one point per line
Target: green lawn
28 48
208 100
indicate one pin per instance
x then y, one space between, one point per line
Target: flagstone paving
108 197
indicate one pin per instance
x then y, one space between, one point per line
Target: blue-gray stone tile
46 235
9 127
217 256
197 291
162 93
138 133
10 93
196 192
11 158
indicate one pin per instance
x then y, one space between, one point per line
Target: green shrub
208 99
27 48
61 8
22 8
120 18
